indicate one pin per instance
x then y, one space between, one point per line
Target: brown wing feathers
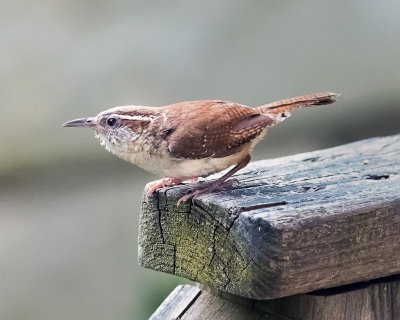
250 127
219 129
216 129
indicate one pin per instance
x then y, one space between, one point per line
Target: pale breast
161 164
186 168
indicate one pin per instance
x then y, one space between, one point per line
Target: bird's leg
217 184
164 182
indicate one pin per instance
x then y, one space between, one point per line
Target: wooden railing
293 225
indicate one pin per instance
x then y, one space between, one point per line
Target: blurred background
69 210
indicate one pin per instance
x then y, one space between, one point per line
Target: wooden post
292 225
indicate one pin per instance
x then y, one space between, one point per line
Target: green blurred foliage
69 210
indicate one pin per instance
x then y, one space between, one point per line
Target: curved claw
151 187
191 195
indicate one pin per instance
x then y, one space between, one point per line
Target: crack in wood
213 246
353 286
377 176
312 159
159 218
263 205
309 189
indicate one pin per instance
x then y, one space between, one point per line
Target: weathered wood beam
192 303
292 225
376 300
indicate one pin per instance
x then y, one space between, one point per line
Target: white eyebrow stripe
140 118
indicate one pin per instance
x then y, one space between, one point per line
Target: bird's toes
151 187
201 190
229 183
190 195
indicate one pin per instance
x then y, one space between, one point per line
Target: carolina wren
187 140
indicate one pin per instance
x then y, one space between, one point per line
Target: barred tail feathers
284 106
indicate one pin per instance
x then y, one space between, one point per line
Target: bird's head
118 128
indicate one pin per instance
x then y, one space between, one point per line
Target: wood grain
180 305
177 303
376 301
292 225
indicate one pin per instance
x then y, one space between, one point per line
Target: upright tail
314 99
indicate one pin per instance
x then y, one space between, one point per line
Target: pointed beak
83 122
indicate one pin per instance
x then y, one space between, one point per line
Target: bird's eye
111 122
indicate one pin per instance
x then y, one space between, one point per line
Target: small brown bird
187 140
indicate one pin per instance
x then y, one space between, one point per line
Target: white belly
163 165
184 168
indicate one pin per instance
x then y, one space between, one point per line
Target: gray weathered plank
190 303
334 220
377 301
373 301
177 303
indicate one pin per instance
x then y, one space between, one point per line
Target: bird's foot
162 183
199 190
